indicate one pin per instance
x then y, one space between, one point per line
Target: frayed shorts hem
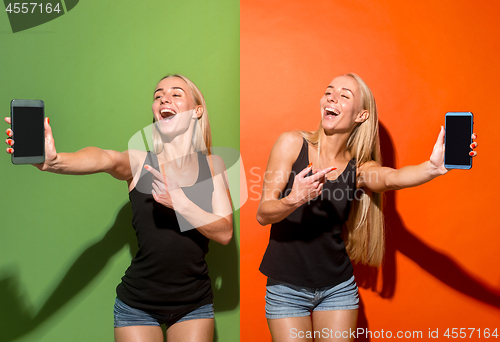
287 301
126 316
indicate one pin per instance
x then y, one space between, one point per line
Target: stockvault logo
26 15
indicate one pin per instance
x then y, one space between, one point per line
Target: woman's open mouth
330 111
167 114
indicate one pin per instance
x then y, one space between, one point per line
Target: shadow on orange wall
400 239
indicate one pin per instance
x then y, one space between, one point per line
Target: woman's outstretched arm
379 179
86 161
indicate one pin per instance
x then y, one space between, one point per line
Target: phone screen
28 131
458 140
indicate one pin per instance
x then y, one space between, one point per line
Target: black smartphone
458 137
27 120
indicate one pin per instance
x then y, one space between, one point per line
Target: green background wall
65 241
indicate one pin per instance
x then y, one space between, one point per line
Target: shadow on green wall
17 316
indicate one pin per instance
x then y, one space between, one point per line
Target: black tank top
168 277
305 249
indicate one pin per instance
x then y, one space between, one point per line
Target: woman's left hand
164 188
437 156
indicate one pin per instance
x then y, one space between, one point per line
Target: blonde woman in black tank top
167 282
314 236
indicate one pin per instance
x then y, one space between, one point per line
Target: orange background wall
421 59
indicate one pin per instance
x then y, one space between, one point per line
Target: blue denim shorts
126 316
285 300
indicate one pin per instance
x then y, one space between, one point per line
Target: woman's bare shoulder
286 149
293 138
217 162
136 156
289 141
366 166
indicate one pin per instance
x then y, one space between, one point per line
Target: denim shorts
285 300
126 316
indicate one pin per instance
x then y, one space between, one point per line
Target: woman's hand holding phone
437 156
50 149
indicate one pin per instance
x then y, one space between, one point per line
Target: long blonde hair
202 136
364 231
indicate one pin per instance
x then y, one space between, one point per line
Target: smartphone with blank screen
458 137
27 121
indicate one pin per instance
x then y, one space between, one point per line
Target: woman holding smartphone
180 201
323 196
